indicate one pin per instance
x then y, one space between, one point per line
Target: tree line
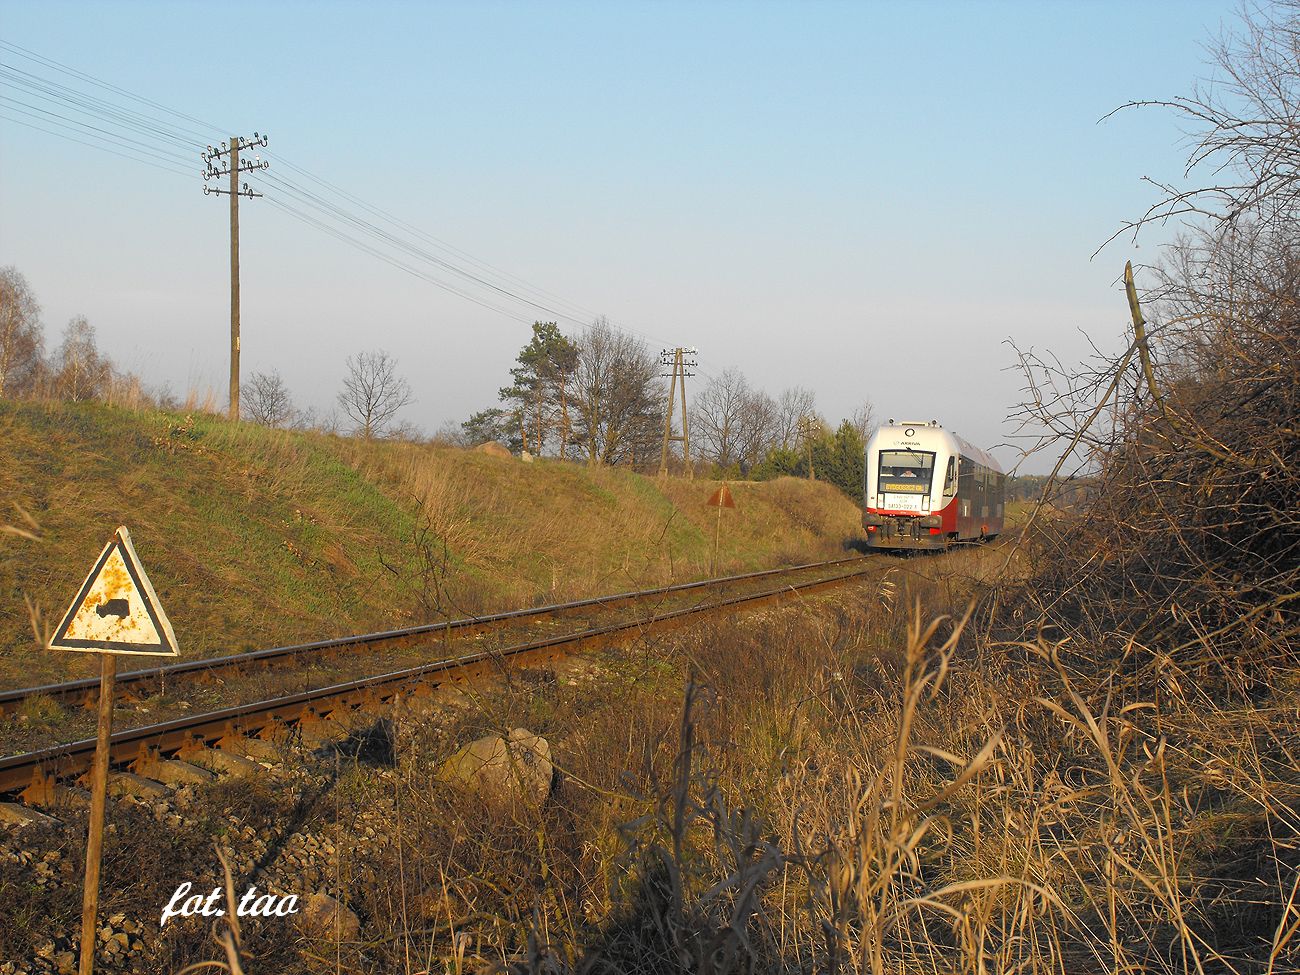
74 370
599 396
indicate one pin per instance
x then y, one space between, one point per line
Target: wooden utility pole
681 366
234 277
233 167
806 428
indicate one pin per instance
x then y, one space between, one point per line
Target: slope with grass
255 537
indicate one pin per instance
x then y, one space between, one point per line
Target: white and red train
927 488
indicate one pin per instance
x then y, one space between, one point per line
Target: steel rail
130 682
241 721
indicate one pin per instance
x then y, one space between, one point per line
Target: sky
868 200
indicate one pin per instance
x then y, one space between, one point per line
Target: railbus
927 488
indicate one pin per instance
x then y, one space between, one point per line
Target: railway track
139 684
234 730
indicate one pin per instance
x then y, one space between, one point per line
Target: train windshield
906 471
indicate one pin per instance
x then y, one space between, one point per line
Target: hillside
256 537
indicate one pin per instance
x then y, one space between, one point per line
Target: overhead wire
101 146
431 239
386 258
20 51
183 136
36 87
371 229
34 111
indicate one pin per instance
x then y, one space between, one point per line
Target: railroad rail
35 773
140 683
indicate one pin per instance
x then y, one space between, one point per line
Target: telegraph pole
218 165
676 358
806 425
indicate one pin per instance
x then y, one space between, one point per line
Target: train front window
906 471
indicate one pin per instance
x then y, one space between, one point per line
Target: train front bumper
904 531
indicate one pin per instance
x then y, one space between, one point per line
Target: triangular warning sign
117 610
721 498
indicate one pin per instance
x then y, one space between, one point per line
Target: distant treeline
600 396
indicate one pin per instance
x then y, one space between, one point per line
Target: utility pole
806 425
216 165
677 359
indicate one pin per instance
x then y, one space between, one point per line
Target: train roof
982 457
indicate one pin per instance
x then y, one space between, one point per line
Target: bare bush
1190 551
79 370
266 400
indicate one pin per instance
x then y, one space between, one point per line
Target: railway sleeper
18 815
135 786
46 792
169 771
218 761
260 750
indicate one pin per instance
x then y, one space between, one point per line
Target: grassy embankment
254 537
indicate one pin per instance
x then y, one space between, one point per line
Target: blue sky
863 199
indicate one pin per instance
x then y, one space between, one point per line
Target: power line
182 135
387 259
44 88
22 52
586 313
35 111
94 145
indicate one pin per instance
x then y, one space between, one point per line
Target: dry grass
842 788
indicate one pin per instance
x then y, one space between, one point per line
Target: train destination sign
913 488
117 610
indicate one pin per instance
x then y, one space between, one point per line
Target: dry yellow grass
255 537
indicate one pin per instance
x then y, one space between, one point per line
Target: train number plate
902 502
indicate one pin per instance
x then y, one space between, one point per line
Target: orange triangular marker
721 498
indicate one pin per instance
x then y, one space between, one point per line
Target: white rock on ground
502 769
324 917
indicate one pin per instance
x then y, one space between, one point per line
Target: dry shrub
1187 558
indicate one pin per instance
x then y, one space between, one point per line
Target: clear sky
864 199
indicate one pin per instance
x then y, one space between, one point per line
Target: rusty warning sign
117 610
721 498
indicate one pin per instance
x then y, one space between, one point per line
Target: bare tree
373 392
616 399
80 371
1244 125
795 404
864 420
759 420
21 338
728 419
266 400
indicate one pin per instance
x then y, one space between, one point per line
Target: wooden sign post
721 498
115 613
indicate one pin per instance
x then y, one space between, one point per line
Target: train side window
950 479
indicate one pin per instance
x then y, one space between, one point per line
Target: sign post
115 613
721 498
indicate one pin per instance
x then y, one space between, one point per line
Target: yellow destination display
905 488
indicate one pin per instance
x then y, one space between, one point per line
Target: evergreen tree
539 395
